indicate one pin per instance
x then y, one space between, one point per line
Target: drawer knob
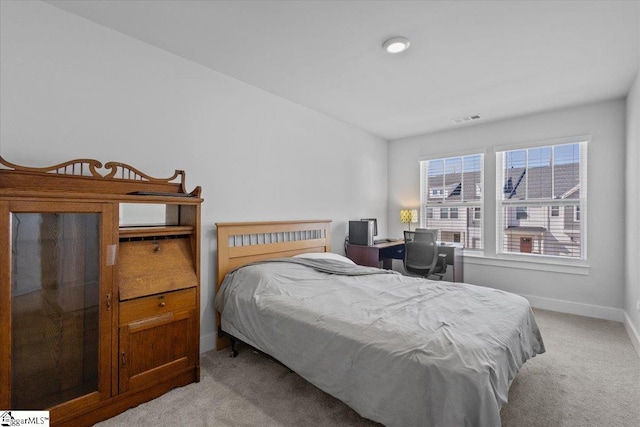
162 304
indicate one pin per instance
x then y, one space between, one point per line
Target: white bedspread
402 351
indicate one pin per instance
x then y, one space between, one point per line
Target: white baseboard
633 333
588 310
207 342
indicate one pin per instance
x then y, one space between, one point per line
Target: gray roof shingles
565 176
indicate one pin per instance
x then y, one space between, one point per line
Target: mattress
399 350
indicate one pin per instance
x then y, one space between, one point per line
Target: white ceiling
494 58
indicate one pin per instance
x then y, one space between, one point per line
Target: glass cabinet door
59 307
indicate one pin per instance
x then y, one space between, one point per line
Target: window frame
550 202
470 207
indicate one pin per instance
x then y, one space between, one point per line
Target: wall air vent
466 119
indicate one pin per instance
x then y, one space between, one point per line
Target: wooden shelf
160 230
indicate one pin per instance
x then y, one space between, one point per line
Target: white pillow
325 255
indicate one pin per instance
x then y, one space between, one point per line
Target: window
454 185
533 184
521 213
476 214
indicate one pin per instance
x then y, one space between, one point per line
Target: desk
388 251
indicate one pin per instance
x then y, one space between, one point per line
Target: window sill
537 264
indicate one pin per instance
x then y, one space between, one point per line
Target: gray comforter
402 351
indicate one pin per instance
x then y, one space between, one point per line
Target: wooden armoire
99 286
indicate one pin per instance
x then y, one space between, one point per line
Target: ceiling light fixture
396 44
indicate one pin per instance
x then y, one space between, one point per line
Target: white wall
632 223
73 89
599 293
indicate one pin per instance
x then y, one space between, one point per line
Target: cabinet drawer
156 305
148 267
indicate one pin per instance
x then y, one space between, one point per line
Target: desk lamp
408 216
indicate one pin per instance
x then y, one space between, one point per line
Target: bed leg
234 352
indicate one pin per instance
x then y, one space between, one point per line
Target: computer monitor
375 224
361 232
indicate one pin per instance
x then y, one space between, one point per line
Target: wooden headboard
241 243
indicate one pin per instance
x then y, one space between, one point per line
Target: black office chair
421 255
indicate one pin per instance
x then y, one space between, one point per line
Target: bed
399 350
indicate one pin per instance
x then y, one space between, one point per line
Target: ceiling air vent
466 119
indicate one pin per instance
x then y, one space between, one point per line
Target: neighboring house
460 225
546 230
456 223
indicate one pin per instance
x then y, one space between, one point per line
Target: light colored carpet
589 377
